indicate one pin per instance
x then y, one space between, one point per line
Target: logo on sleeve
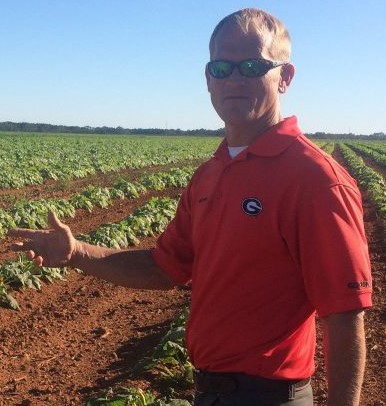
359 285
252 206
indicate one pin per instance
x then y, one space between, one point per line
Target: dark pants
249 391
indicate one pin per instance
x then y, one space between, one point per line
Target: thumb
53 221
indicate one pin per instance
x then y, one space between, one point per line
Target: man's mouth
235 97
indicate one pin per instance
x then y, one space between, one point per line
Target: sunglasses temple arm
275 64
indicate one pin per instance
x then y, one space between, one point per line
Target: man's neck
241 135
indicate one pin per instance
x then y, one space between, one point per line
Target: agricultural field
70 339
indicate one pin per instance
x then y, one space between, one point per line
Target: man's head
272 31
251 49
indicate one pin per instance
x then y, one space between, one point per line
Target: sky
140 63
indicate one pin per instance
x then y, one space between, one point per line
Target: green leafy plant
6 299
170 358
134 397
24 274
126 396
64 157
148 220
6 222
367 177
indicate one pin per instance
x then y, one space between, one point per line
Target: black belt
222 383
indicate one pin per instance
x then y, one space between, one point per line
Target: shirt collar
271 142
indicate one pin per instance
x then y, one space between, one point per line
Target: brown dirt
78 337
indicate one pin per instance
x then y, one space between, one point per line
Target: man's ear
286 74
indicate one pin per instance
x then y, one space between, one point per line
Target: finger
22 232
22 246
17 246
30 254
38 261
53 221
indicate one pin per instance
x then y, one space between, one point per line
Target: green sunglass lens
254 68
220 69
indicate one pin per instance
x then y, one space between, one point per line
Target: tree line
10 126
51 128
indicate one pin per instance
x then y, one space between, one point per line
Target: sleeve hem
177 277
362 301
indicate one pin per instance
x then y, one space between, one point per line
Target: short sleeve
330 247
173 252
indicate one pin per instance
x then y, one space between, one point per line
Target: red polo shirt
266 239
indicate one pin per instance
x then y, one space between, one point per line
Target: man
268 232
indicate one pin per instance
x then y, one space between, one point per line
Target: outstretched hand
53 247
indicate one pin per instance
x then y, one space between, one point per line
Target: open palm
52 247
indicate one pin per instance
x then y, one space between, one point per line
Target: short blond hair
271 30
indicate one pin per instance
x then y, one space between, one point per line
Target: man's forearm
130 268
345 354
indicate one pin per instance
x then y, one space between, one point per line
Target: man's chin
239 119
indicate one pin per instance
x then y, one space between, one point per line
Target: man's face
239 100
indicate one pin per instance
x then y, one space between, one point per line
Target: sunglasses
250 68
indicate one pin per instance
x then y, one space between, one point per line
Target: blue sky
141 63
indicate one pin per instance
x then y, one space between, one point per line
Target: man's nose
236 75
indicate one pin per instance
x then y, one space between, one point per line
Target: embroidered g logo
252 206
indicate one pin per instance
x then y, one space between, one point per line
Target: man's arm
345 355
57 247
130 268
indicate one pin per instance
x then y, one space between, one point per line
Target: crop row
33 214
367 177
27 159
327 147
376 146
366 150
147 220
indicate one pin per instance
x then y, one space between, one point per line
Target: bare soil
79 337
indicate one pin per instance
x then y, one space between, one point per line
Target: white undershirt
233 151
